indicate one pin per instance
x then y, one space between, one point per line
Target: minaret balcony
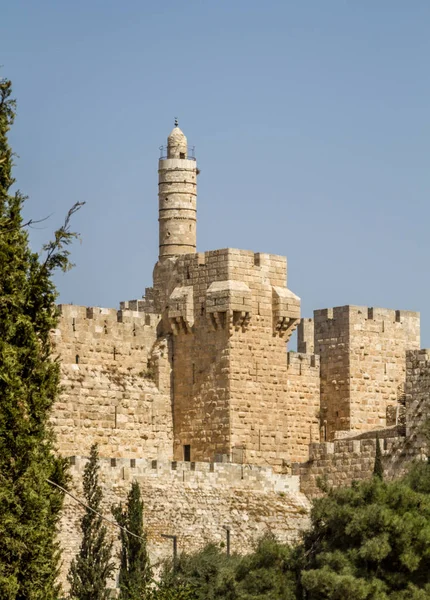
165 150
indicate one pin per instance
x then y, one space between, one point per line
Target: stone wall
193 501
304 401
109 371
379 339
363 364
417 414
341 462
417 399
264 423
231 316
306 336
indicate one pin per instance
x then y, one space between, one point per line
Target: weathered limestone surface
177 198
417 399
344 461
415 445
198 370
109 372
236 393
306 336
363 364
194 501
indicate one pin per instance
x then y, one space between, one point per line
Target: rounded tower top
177 143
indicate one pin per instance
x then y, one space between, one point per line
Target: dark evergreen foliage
29 385
135 575
93 566
269 572
370 541
378 469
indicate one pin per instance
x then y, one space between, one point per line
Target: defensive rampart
195 502
112 373
344 461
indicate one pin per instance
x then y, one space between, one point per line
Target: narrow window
77 359
181 154
187 453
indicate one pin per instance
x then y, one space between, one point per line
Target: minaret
177 196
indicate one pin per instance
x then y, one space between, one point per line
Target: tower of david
193 390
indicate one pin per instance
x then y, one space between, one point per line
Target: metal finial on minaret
176 122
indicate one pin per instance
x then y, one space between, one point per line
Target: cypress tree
29 385
92 566
378 469
135 574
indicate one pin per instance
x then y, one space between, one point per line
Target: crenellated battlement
246 476
343 461
302 361
198 370
363 365
367 316
195 502
98 335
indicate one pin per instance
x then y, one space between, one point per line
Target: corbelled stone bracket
286 312
181 310
229 304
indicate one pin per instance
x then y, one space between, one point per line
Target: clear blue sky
311 122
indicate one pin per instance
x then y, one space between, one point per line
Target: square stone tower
236 393
363 365
235 390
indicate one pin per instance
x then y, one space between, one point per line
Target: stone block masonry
235 393
194 501
344 461
417 399
415 445
198 370
363 364
305 336
109 373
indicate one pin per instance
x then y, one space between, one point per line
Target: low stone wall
342 462
195 502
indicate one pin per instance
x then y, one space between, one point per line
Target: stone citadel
192 391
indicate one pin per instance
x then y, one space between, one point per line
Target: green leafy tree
270 573
178 591
93 566
378 469
135 575
206 575
29 384
370 542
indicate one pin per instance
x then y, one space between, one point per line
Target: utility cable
114 523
